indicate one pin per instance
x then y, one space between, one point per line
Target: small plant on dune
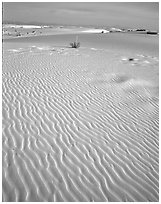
75 44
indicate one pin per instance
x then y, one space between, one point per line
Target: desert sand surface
80 124
13 31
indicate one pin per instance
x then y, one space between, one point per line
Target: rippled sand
79 124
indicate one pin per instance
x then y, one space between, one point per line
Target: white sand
79 124
95 31
21 26
20 31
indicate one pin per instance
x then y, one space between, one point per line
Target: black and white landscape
80 102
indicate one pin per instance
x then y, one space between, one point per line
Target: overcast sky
140 15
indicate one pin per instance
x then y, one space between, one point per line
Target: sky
120 14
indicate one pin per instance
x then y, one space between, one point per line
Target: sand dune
79 125
95 31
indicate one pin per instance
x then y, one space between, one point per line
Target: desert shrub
75 44
18 34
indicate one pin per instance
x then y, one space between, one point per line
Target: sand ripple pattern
72 132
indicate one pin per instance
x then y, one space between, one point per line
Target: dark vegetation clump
152 32
131 59
75 44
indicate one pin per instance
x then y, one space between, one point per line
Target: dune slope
76 128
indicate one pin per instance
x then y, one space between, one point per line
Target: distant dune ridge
17 31
79 124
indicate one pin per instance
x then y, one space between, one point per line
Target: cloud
67 12
82 13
